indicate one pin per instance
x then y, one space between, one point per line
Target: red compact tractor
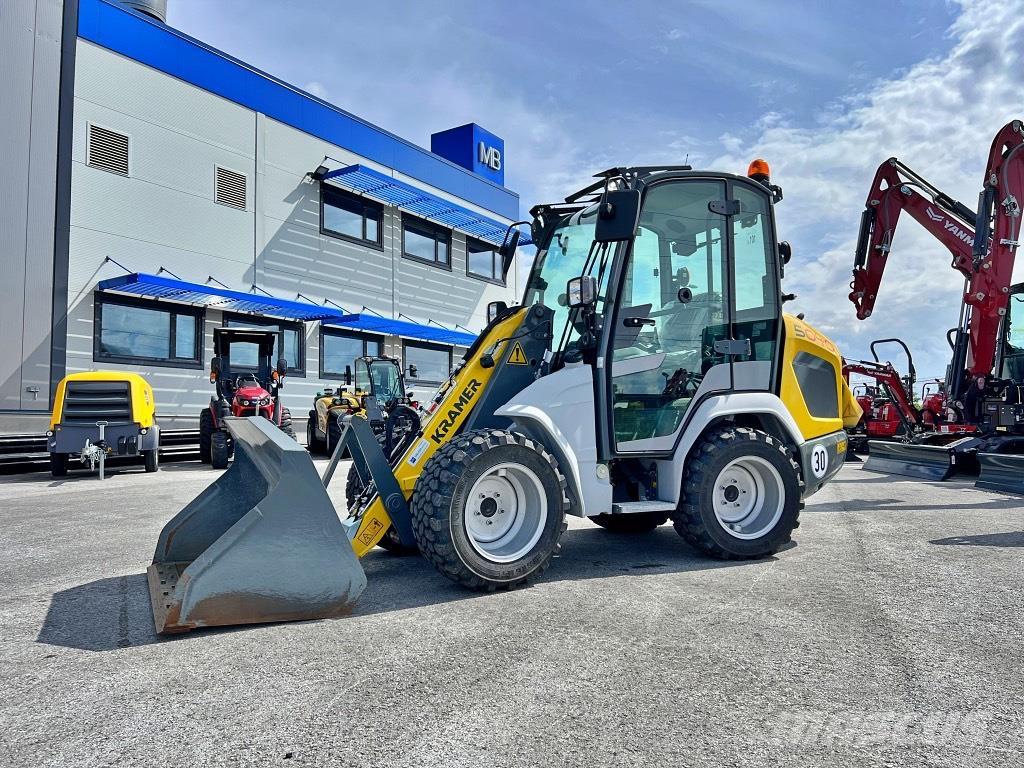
247 385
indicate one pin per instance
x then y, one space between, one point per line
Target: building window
339 349
138 331
350 217
427 242
483 261
290 343
433 362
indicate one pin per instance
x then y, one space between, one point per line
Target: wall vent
230 188
107 150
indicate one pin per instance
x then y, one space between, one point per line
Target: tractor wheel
286 423
313 443
206 429
333 432
741 495
391 542
220 449
489 508
152 459
639 522
58 464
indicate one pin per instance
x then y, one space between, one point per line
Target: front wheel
489 508
286 423
220 449
206 429
152 459
58 465
741 495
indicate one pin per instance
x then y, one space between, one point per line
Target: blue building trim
138 37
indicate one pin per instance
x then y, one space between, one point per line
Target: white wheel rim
506 512
749 497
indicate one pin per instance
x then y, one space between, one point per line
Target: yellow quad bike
650 374
99 415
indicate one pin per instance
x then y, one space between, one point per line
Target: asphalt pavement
888 634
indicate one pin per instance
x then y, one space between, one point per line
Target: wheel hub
506 511
748 497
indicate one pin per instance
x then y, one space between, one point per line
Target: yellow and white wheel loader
649 374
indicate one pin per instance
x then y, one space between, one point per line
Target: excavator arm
985 260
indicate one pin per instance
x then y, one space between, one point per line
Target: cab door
671 308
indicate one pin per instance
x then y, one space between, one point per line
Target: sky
824 91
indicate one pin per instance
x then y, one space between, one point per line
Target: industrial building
158 188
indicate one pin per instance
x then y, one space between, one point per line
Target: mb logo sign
489 156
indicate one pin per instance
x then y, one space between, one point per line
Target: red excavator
984 387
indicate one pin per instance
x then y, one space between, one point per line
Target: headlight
265 401
245 402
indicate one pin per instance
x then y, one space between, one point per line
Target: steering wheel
246 377
682 383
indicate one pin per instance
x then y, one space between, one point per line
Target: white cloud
317 89
939 117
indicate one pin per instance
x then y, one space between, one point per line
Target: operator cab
697 306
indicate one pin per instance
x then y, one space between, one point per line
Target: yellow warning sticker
517 356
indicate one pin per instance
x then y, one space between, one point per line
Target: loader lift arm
985 260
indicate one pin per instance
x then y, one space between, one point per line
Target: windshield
564 259
386 384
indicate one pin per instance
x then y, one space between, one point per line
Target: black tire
441 496
313 443
220 449
333 432
206 429
58 464
286 423
391 541
638 522
152 459
695 519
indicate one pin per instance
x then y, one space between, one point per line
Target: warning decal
517 356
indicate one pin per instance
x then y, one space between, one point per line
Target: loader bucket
262 543
926 462
1001 472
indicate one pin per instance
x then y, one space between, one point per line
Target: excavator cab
648 375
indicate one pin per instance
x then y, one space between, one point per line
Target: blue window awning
368 323
422 203
168 289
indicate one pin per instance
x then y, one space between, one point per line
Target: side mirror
348 375
581 291
282 366
214 368
785 251
494 309
412 370
618 215
507 251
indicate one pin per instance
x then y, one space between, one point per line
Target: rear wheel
58 464
206 429
286 423
489 508
639 522
741 495
152 459
220 449
333 431
391 541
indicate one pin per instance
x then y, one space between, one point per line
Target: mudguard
262 543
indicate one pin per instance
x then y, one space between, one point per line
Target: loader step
633 507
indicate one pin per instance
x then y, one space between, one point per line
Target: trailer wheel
741 495
152 459
489 508
639 522
391 541
220 449
205 432
58 464
286 423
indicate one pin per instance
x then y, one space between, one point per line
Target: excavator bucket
925 462
1001 472
263 543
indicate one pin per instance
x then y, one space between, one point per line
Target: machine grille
230 188
108 150
86 402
